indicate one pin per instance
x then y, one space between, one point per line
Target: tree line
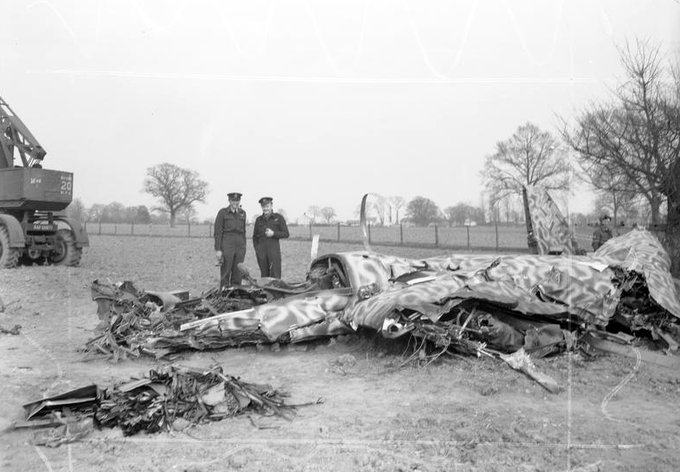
116 212
626 148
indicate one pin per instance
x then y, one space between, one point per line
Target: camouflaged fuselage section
641 251
550 287
549 226
538 285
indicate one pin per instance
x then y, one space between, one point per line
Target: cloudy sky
314 102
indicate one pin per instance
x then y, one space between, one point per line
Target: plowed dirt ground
464 414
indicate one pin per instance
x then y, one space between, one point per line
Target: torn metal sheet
521 361
154 402
642 252
550 229
82 398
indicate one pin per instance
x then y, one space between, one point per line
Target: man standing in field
603 232
269 228
230 240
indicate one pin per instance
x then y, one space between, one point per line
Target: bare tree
95 212
176 188
188 214
382 209
637 136
328 214
313 212
77 210
397 203
623 206
529 157
614 190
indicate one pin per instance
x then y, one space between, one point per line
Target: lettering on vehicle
36 180
44 226
66 185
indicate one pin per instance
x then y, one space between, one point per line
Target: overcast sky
313 102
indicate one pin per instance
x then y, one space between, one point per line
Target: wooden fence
480 237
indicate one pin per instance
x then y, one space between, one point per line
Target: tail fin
364 224
545 223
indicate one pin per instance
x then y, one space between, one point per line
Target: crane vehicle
32 229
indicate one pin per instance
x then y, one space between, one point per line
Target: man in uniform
269 228
230 240
602 233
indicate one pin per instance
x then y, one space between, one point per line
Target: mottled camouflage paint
532 284
641 251
550 228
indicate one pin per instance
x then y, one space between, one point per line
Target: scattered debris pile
154 402
134 322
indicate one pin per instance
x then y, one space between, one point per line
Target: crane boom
15 136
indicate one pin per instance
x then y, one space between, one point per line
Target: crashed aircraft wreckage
507 306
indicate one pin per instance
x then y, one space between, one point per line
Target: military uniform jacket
601 235
231 224
273 221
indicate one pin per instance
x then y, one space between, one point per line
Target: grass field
161 261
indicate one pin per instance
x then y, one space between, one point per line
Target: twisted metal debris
165 395
155 402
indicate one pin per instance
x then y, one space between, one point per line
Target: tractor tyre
9 256
66 253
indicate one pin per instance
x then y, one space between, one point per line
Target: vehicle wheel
66 253
9 256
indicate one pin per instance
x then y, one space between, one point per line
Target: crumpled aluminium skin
378 290
549 226
641 251
545 287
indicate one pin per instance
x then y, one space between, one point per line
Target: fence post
401 234
436 236
338 231
310 230
132 228
496 225
468 236
100 227
210 230
188 228
115 228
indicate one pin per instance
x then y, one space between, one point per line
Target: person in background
230 240
603 232
269 228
